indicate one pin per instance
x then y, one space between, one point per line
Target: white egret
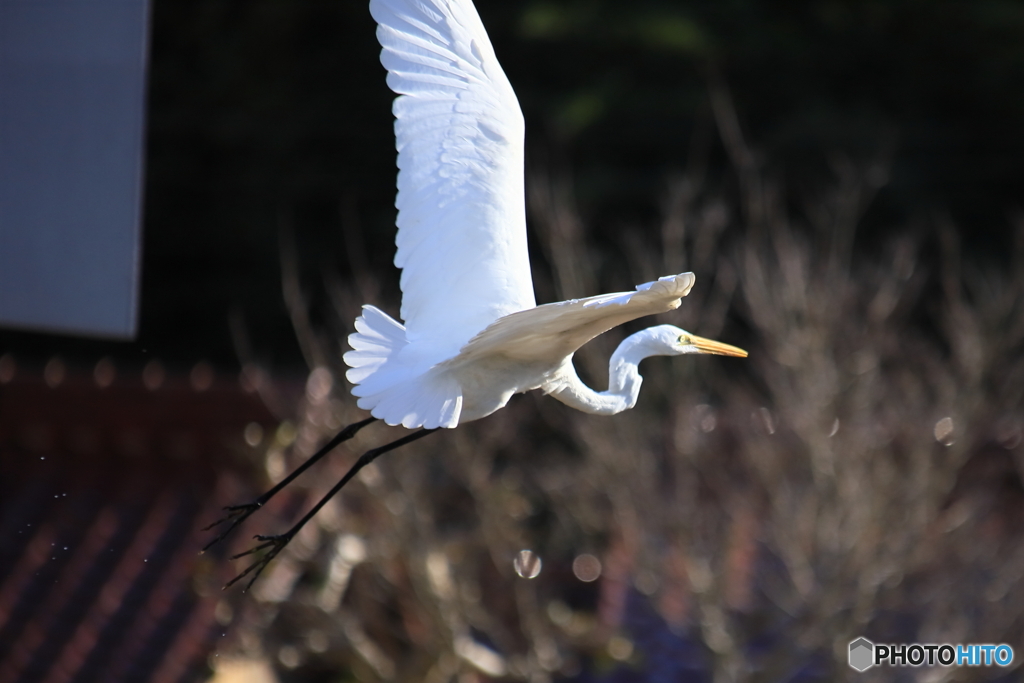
473 334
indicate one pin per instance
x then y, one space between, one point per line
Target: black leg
275 544
236 514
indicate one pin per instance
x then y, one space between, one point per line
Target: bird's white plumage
461 209
554 331
473 335
393 389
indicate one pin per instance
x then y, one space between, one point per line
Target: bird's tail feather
392 390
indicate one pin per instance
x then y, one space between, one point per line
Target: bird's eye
683 340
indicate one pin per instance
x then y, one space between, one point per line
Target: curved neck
624 380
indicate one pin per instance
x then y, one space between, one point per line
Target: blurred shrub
859 474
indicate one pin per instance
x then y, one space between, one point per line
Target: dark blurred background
845 179
270 121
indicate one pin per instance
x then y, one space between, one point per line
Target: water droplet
586 567
288 655
202 376
944 431
319 385
285 434
317 641
620 648
53 373
559 613
1008 433
527 564
704 417
104 373
153 375
763 418
395 503
253 434
646 582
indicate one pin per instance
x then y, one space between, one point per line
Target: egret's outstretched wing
554 331
461 215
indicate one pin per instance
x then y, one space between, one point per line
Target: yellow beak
716 348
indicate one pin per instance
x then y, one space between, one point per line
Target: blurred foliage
860 474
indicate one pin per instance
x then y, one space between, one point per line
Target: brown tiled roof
105 483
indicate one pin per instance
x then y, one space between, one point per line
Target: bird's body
473 334
527 350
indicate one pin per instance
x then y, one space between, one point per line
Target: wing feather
553 331
461 211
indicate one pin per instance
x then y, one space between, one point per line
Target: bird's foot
236 514
273 546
